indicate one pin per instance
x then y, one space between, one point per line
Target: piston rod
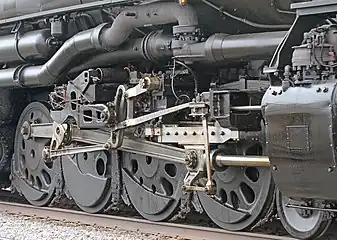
220 160
246 108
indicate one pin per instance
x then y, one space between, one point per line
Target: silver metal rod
242 161
246 108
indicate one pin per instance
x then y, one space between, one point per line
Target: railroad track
130 224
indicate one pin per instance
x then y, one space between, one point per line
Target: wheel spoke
243 204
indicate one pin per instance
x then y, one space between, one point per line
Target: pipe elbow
144 15
185 15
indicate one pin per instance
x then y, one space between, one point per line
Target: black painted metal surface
301 126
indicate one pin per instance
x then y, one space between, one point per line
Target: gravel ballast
19 227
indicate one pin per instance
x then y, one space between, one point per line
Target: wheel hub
229 176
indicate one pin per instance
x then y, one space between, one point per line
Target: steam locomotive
226 106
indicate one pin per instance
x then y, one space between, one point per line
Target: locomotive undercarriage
164 176
138 123
163 117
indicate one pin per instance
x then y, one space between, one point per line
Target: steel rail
131 224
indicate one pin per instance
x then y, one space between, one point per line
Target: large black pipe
154 47
103 37
222 47
219 48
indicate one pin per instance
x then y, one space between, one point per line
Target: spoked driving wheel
243 197
154 186
301 223
32 176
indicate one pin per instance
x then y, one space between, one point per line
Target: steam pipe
101 38
154 47
222 47
157 13
128 52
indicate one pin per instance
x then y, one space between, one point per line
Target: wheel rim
301 224
32 176
150 180
244 195
92 170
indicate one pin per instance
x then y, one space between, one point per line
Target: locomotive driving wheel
301 223
90 179
31 175
244 195
154 186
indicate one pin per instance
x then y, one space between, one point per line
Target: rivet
185 133
176 134
274 168
318 89
222 133
168 134
330 169
194 133
212 133
325 89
